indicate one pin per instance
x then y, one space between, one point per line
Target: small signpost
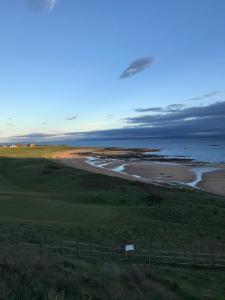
128 249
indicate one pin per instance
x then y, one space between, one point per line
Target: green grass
35 152
39 197
28 277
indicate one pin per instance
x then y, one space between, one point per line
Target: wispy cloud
37 5
50 4
72 118
149 109
195 98
169 108
206 96
137 66
110 116
175 106
199 121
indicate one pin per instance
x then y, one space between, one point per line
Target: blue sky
65 61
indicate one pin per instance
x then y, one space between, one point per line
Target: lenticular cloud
137 66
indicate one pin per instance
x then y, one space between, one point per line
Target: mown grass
28 152
41 198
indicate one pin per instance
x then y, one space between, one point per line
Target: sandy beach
161 171
214 182
203 176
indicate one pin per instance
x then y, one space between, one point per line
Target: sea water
200 149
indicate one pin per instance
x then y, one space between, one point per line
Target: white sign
129 248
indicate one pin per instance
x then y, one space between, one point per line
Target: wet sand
214 182
80 163
161 171
205 177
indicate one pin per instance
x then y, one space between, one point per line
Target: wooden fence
80 250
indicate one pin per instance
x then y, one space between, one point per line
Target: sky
61 63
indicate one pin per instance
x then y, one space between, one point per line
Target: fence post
113 256
17 244
211 259
41 247
149 261
175 257
194 258
77 249
102 252
61 247
90 250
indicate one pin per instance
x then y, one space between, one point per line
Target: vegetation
41 198
30 277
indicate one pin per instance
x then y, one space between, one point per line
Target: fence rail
79 250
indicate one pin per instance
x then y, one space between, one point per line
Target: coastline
134 165
215 182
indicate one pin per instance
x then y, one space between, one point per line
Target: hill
41 198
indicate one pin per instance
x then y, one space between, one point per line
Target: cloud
175 107
169 108
205 96
212 111
110 116
50 4
137 66
211 94
153 109
37 135
37 5
72 118
199 121
195 98
40 136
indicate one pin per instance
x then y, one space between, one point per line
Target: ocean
200 149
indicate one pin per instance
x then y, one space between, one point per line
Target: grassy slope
38 196
36 278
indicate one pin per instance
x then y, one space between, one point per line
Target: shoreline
209 177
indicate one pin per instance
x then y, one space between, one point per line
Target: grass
30 277
39 197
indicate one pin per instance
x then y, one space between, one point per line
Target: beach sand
214 182
80 163
166 172
150 172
